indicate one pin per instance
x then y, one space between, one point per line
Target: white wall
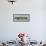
37 25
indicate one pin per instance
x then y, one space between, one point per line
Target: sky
37 25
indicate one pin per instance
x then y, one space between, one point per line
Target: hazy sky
37 25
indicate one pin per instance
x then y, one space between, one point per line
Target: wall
37 25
